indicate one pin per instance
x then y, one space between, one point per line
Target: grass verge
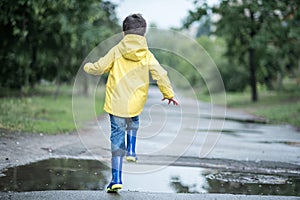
45 114
278 107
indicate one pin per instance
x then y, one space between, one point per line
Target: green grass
45 114
282 107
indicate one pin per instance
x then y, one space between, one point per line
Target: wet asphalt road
205 131
80 195
201 131
193 134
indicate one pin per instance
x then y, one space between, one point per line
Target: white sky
164 13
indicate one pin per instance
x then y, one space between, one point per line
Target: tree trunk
298 74
252 63
252 66
32 67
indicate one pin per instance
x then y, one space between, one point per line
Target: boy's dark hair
134 24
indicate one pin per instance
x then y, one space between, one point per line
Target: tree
45 39
216 48
256 32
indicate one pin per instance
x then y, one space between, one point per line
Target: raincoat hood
133 47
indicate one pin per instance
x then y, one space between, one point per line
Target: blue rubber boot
116 181
131 142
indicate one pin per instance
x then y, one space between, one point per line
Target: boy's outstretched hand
175 102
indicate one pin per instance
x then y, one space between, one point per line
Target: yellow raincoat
129 64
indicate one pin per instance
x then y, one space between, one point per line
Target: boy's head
134 24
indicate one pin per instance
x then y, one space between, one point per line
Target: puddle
253 184
236 119
71 174
232 132
55 174
289 143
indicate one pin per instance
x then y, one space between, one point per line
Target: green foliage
188 64
180 66
216 48
45 39
262 37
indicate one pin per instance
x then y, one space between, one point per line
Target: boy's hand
175 102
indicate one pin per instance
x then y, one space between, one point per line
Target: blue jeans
119 125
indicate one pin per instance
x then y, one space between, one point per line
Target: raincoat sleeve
103 65
161 77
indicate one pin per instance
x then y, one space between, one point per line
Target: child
128 64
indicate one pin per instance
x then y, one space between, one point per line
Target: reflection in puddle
70 174
170 179
55 174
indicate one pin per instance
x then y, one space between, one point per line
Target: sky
164 13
